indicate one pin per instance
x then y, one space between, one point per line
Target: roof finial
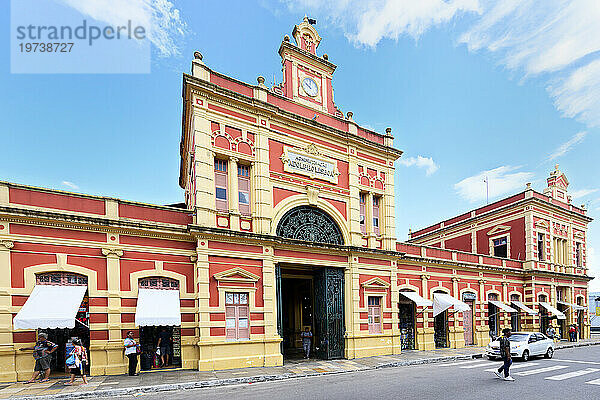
556 167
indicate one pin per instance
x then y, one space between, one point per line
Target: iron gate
329 313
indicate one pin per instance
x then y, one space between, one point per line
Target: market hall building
288 223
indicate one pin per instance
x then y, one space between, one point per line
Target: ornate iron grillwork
440 334
159 283
311 225
406 323
61 278
329 313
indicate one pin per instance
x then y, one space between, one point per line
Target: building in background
594 311
544 231
288 222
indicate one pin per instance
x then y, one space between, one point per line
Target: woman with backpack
76 361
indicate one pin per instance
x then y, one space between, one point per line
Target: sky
472 89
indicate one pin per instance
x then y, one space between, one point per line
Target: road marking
541 370
485 364
518 366
461 363
572 374
580 362
594 382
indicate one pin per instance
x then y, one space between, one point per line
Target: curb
258 378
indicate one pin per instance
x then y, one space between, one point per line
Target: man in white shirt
131 352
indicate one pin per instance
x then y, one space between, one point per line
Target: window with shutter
237 316
374 314
221 185
244 189
376 215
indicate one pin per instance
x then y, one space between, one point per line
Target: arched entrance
159 319
66 293
310 224
310 296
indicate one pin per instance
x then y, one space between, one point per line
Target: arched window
158 282
61 278
309 224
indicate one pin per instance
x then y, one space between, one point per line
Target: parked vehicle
524 345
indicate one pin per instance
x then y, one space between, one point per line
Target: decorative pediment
579 234
541 224
498 229
236 274
375 283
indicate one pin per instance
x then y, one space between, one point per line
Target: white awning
418 300
553 310
50 307
573 306
502 306
523 307
442 302
156 307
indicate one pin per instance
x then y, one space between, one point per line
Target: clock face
310 87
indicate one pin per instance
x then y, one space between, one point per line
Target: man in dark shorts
41 353
505 354
164 344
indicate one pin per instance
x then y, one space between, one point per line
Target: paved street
572 374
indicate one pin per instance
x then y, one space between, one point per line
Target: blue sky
467 86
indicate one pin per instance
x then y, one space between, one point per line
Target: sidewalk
165 380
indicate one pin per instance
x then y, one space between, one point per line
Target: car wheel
525 355
549 353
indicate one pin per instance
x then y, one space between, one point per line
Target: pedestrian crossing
561 370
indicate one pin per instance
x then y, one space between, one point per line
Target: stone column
505 320
114 362
425 339
262 190
272 352
457 332
482 329
395 297
8 372
205 356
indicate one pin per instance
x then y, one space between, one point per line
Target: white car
524 345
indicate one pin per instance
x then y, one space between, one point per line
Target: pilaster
115 363
7 349
234 209
204 164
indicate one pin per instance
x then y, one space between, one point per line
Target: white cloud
366 22
161 19
421 162
568 145
501 181
577 194
70 184
557 40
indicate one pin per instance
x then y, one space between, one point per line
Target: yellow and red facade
251 156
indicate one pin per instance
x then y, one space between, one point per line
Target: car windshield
518 337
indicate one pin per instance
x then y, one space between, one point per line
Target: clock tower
306 76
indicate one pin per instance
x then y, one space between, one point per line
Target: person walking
131 352
42 355
164 345
80 360
505 354
550 332
306 341
572 333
